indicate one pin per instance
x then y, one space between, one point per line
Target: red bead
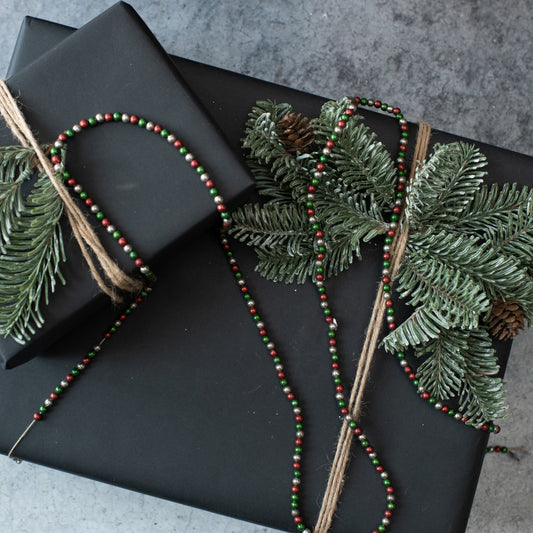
445 409
178 144
332 342
107 335
221 208
55 159
389 303
497 449
108 117
323 297
425 396
377 104
84 123
390 490
379 468
263 333
298 442
404 127
106 223
320 167
63 137
273 353
235 268
407 369
396 111
330 144
388 513
464 419
194 163
134 119
37 416
244 289
157 128
396 210
386 256
329 319
139 262
298 418
295 489
209 184
357 100
392 326
344 411
70 378
122 241
369 449
320 257
298 519
253 311
348 112
412 377
72 182
311 212
400 187
339 388
296 466
358 431
391 233
319 234
85 361
290 396
319 277
89 202
123 317
341 124
485 427
385 279
400 166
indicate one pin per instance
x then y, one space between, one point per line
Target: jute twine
342 453
81 229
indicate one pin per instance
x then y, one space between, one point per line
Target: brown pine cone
296 133
505 320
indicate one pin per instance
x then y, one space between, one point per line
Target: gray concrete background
463 66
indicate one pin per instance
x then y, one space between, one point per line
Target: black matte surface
184 403
148 190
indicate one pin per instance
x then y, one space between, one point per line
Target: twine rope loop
84 234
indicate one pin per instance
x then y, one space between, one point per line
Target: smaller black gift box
185 404
114 64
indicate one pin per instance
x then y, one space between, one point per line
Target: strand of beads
319 275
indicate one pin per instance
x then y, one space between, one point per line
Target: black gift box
148 191
184 403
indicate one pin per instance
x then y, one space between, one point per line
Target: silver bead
81 366
319 263
438 406
204 177
312 220
149 126
125 118
384 475
251 303
385 521
389 109
296 458
319 283
306 530
286 390
348 418
76 128
133 306
279 368
218 200
351 106
332 349
370 102
386 248
296 481
48 402
335 373
97 348
372 455
320 242
386 295
402 179
271 345
310 196
297 410
318 174
241 282
233 261
339 396
260 325
326 151
295 512
110 228
299 434
171 139
391 497
362 436
189 157
78 189
224 241
118 323
64 384
324 305
393 225
58 167
332 327
58 144
385 272
99 117
403 141
403 121
337 129
390 318
398 202
128 248
458 416
403 363
95 208
400 160
145 269
421 389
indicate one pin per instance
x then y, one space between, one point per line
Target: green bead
375 462
391 506
327 312
390 311
321 249
257 318
117 234
353 424
401 172
432 401
384 107
42 409
399 194
298 449
337 381
320 270
382 528
183 150
200 170
323 158
405 134
266 340
141 123
295 403
400 355
300 527
213 192
54 151
334 137
283 382
117 116
386 287
321 290
238 275
315 227
100 215
364 443
386 264
59 389
91 354
309 203
92 121
164 133
295 504
297 473
387 482
315 181
505 449
295 497
83 195
341 403
334 357
299 427
451 412
224 215
69 133
364 101
229 254
388 240
247 296
75 372
276 360
331 334
133 255
399 116
401 153
66 175
344 117
128 311
415 382
395 217
113 330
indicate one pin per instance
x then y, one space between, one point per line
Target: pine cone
505 319
296 133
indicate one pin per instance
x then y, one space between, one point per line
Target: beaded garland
318 280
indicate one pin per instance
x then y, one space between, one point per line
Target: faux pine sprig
31 243
470 244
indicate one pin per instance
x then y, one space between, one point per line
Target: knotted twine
81 229
342 453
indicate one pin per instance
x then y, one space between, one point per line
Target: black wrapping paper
147 190
184 403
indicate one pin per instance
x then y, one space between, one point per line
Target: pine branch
444 185
30 266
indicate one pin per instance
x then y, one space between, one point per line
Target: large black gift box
185 403
114 64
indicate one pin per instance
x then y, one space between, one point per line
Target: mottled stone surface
464 67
